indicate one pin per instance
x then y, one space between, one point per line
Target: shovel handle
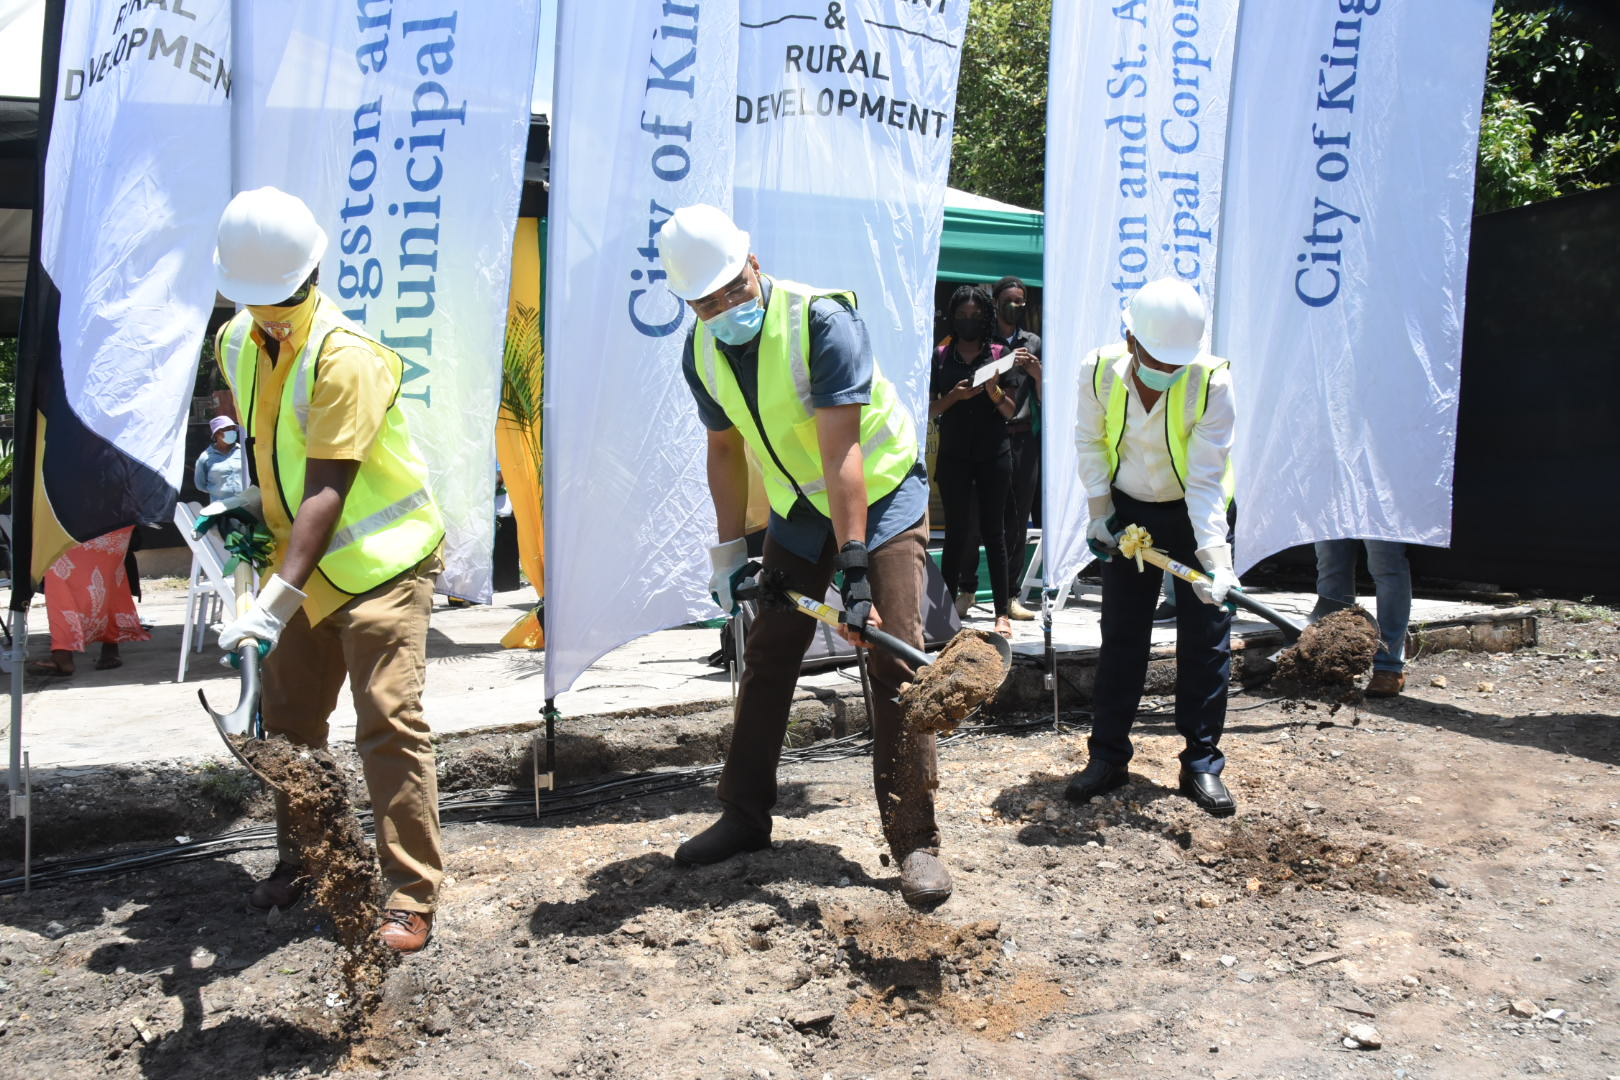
1290 629
833 617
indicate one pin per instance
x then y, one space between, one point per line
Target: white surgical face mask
228 437
738 325
1157 380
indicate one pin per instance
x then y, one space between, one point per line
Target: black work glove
768 588
856 591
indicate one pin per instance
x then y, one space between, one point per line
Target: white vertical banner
1136 139
644 100
132 192
404 126
1345 263
844 119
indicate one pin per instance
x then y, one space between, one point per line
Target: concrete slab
139 712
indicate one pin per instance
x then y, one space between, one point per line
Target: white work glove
265 620
246 506
1217 562
1100 535
730 561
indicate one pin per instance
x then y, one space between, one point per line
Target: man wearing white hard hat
357 535
1154 433
786 370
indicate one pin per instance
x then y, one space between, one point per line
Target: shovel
245 719
1137 543
915 657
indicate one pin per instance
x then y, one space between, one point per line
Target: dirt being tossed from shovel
341 864
967 672
1330 656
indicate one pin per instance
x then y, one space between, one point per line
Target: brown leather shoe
405 931
283 888
924 881
1386 684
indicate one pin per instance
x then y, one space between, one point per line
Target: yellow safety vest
1187 399
389 521
788 450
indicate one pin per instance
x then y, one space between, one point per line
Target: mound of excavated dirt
958 972
1331 654
341 864
967 672
1271 858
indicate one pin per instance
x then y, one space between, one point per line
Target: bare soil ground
1440 867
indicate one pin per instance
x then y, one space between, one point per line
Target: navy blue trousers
1203 644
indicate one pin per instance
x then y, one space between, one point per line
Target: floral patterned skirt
87 595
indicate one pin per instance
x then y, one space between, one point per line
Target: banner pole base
22 806
1048 599
545 780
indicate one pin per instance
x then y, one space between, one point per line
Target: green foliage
1550 124
1584 612
523 378
8 406
1551 119
228 789
8 375
999 147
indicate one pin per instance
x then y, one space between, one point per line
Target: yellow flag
517 432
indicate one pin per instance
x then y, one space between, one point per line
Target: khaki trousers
905 767
378 641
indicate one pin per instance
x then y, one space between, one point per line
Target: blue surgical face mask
229 437
1157 380
738 325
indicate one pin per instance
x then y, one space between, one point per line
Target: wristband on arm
856 590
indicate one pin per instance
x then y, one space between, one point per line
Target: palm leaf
523 377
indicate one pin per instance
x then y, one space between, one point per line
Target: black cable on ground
495 804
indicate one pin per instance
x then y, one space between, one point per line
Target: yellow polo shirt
348 404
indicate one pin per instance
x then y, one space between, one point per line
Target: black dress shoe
720 841
1208 791
1097 778
282 889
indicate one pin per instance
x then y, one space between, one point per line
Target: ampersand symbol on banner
835 20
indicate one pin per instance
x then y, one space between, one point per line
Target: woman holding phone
974 465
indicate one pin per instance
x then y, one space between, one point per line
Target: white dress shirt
1145 470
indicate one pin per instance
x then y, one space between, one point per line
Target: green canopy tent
985 240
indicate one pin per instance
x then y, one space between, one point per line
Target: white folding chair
1036 572
210 593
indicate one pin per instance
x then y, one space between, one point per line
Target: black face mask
1012 314
968 329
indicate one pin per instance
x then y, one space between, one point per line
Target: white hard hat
268 244
702 249
1167 317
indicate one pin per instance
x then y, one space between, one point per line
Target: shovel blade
242 721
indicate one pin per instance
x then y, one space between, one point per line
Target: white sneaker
964 603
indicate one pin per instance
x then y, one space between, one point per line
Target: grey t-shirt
841 367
